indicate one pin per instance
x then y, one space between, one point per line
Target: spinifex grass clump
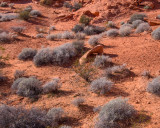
115 113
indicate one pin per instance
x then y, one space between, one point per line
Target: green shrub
24 15
85 20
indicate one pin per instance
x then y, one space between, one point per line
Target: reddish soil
139 51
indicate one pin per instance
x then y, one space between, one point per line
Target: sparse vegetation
80 36
112 33
89 30
146 74
125 31
18 29
111 24
24 15
78 28
55 114
143 27
5 37
52 86
3 4
154 86
67 5
102 61
94 40
29 87
11 5
78 102
65 126
28 8
114 113
15 84
136 23
85 20
156 34
117 72
77 6
137 17
43 57
8 17
35 13
46 2
27 54
101 86
52 28
18 74
67 35
40 35
19 117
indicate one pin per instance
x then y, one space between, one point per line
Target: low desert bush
40 35
27 54
28 8
19 117
29 87
18 29
24 15
52 37
8 17
80 36
125 31
136 23
78 46
3 4
98 30
46 2
143 27
146 74
78 28
59 55
94 40
35 13
52 28
15 84
55 114
112 33
102 61
18 74
78 102
89 30
115 112
5 37
67 5
156 34
111 24
85 20
77 6
101 86
65 126
137 17
63 53
52 86
43 57
117 72
127 25
67 35
154 86
11 5
158 17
